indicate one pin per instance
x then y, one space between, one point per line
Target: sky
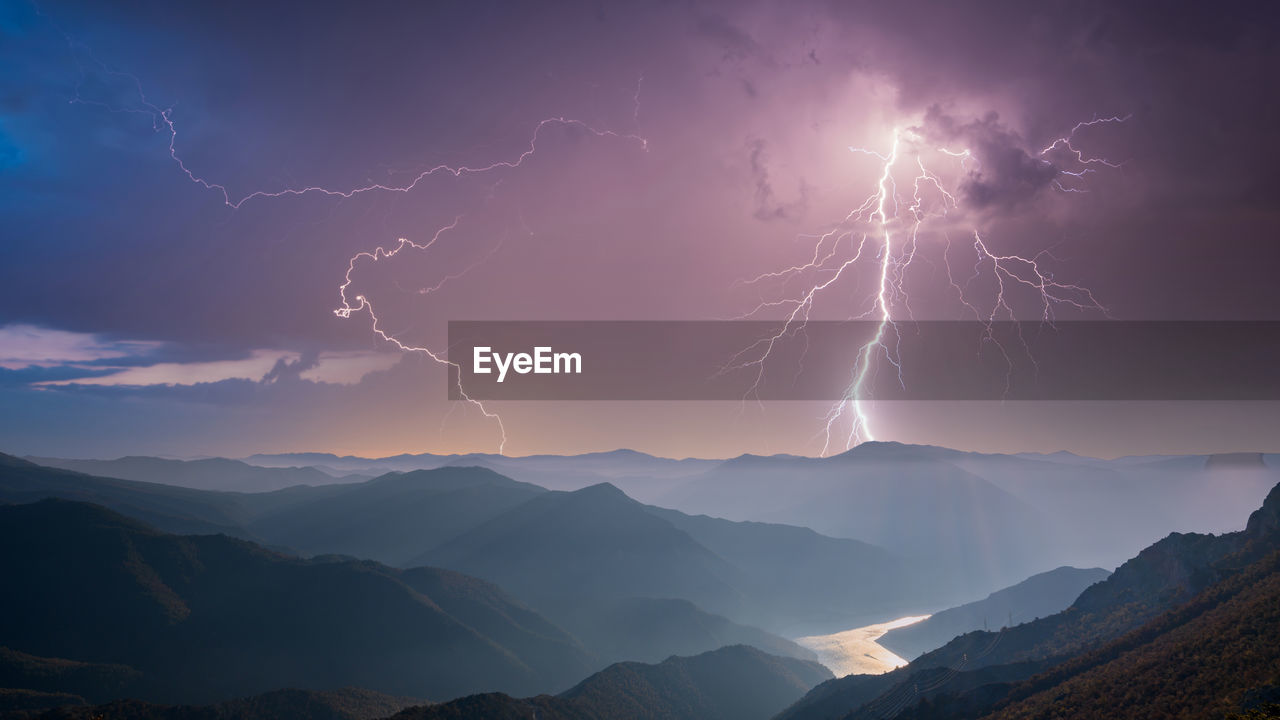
187 191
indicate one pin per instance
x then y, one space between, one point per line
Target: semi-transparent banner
829 360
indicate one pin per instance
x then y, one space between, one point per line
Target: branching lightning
891 220
362 303
882 234
162 120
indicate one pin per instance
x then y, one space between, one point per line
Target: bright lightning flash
891 221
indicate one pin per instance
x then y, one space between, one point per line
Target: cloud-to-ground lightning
162 120
892 220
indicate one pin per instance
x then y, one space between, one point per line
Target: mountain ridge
981 668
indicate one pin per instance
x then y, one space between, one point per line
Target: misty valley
888 581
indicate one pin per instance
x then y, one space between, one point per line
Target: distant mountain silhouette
1179 630
576 555
651 629
592 544
394 518
168 507
208 617
979 521
406 518
207 474
1037 596
1235 461
638 474
967 533
970 522
960 522
732 683
803 582
389 519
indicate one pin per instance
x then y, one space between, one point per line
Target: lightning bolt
162 121
362 303
892 220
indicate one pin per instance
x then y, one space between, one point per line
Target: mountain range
576 556
204 474
398 515
528 590
972 522
203 618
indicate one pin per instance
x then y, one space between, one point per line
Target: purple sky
140 313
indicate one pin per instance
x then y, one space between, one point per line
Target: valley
458 581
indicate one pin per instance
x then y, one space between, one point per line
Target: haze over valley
450 576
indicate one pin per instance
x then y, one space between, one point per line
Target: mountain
732 683
204 618
394 518
982 521
1037 596
1151 604
390 518
578 555
1101 513
650 629
170 508
594 544
351 463
1201 660
207 474
967 533
802 582
640 475
971 522
466 518
343 704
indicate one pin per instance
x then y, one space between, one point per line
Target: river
855 651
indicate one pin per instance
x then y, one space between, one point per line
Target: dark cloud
767 205
26 377
104 235
732 41
286 370
1005 174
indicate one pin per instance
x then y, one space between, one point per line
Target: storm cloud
747 110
